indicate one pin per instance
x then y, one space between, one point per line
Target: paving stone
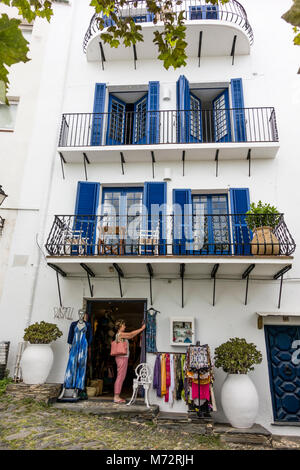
19 435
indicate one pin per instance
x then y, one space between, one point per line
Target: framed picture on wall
182 331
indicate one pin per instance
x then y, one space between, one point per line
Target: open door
195 119
116 121
140 120
221 115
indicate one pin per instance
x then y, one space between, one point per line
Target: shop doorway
103 315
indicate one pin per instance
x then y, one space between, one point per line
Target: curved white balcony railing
230 19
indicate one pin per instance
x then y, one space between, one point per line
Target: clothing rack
167 352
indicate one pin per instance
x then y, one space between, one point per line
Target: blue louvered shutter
238 110
182 222
153 113
155 195
240 204
221 116
85 220
183 109
98 116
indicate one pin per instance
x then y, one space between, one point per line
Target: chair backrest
143 373
111 230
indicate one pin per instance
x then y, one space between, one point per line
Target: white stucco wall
63 81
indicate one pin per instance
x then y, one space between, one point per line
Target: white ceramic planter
36 363
239 400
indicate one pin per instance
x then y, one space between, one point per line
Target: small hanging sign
63 313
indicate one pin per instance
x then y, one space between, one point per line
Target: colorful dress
151 333
76 368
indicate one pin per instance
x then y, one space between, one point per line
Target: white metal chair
148 241
143 378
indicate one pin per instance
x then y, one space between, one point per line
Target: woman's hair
119 323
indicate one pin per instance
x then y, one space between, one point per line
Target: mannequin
79 340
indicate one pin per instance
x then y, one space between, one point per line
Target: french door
116 121
221 115
211 227
121 210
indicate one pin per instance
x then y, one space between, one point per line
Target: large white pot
239 400
36 363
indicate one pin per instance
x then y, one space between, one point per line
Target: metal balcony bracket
217 162
89 274
122 162
183 162
213 276
63 274
182 271
200 47
134 56
233 49
245 275
102 55
249 160
280 275
120 275
62 161
150 271
85 161
153 162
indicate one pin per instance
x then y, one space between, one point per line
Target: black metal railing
169 126
232 12
169 235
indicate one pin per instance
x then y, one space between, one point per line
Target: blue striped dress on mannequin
151 330
79 338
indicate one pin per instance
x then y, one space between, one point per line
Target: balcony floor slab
231 267
171 152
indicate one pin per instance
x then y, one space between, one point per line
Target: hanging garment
198 358
151 332
163 375
179 379
204 391
157 376
76 368
168 377
172 379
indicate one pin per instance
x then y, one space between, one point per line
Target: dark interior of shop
101 365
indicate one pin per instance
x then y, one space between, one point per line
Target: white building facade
98 128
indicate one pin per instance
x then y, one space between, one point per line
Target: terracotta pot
264 242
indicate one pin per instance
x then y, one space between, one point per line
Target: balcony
201 243
211 30
171 135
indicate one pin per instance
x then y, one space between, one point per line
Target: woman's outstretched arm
132 334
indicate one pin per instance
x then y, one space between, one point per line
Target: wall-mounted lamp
2 195
1 224
166 93
167 174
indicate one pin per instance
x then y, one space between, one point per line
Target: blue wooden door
221 116
140 118
116 121
284 372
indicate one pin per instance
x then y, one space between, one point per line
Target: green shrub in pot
42 333
236 356
262 215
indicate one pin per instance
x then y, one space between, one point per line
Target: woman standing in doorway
122 361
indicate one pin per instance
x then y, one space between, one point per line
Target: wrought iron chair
144 379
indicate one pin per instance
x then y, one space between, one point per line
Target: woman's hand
143 327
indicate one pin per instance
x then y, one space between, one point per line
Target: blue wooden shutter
155 194
182 223
238 110
153 113
240 204
86 206
221 115
183 109
98 119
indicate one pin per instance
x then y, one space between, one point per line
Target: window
205 12
121 209
8 115
211 224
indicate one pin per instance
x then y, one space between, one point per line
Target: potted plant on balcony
239 397
262 219
37 358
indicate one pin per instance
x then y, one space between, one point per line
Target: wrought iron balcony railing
232 12
169 235
169 127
